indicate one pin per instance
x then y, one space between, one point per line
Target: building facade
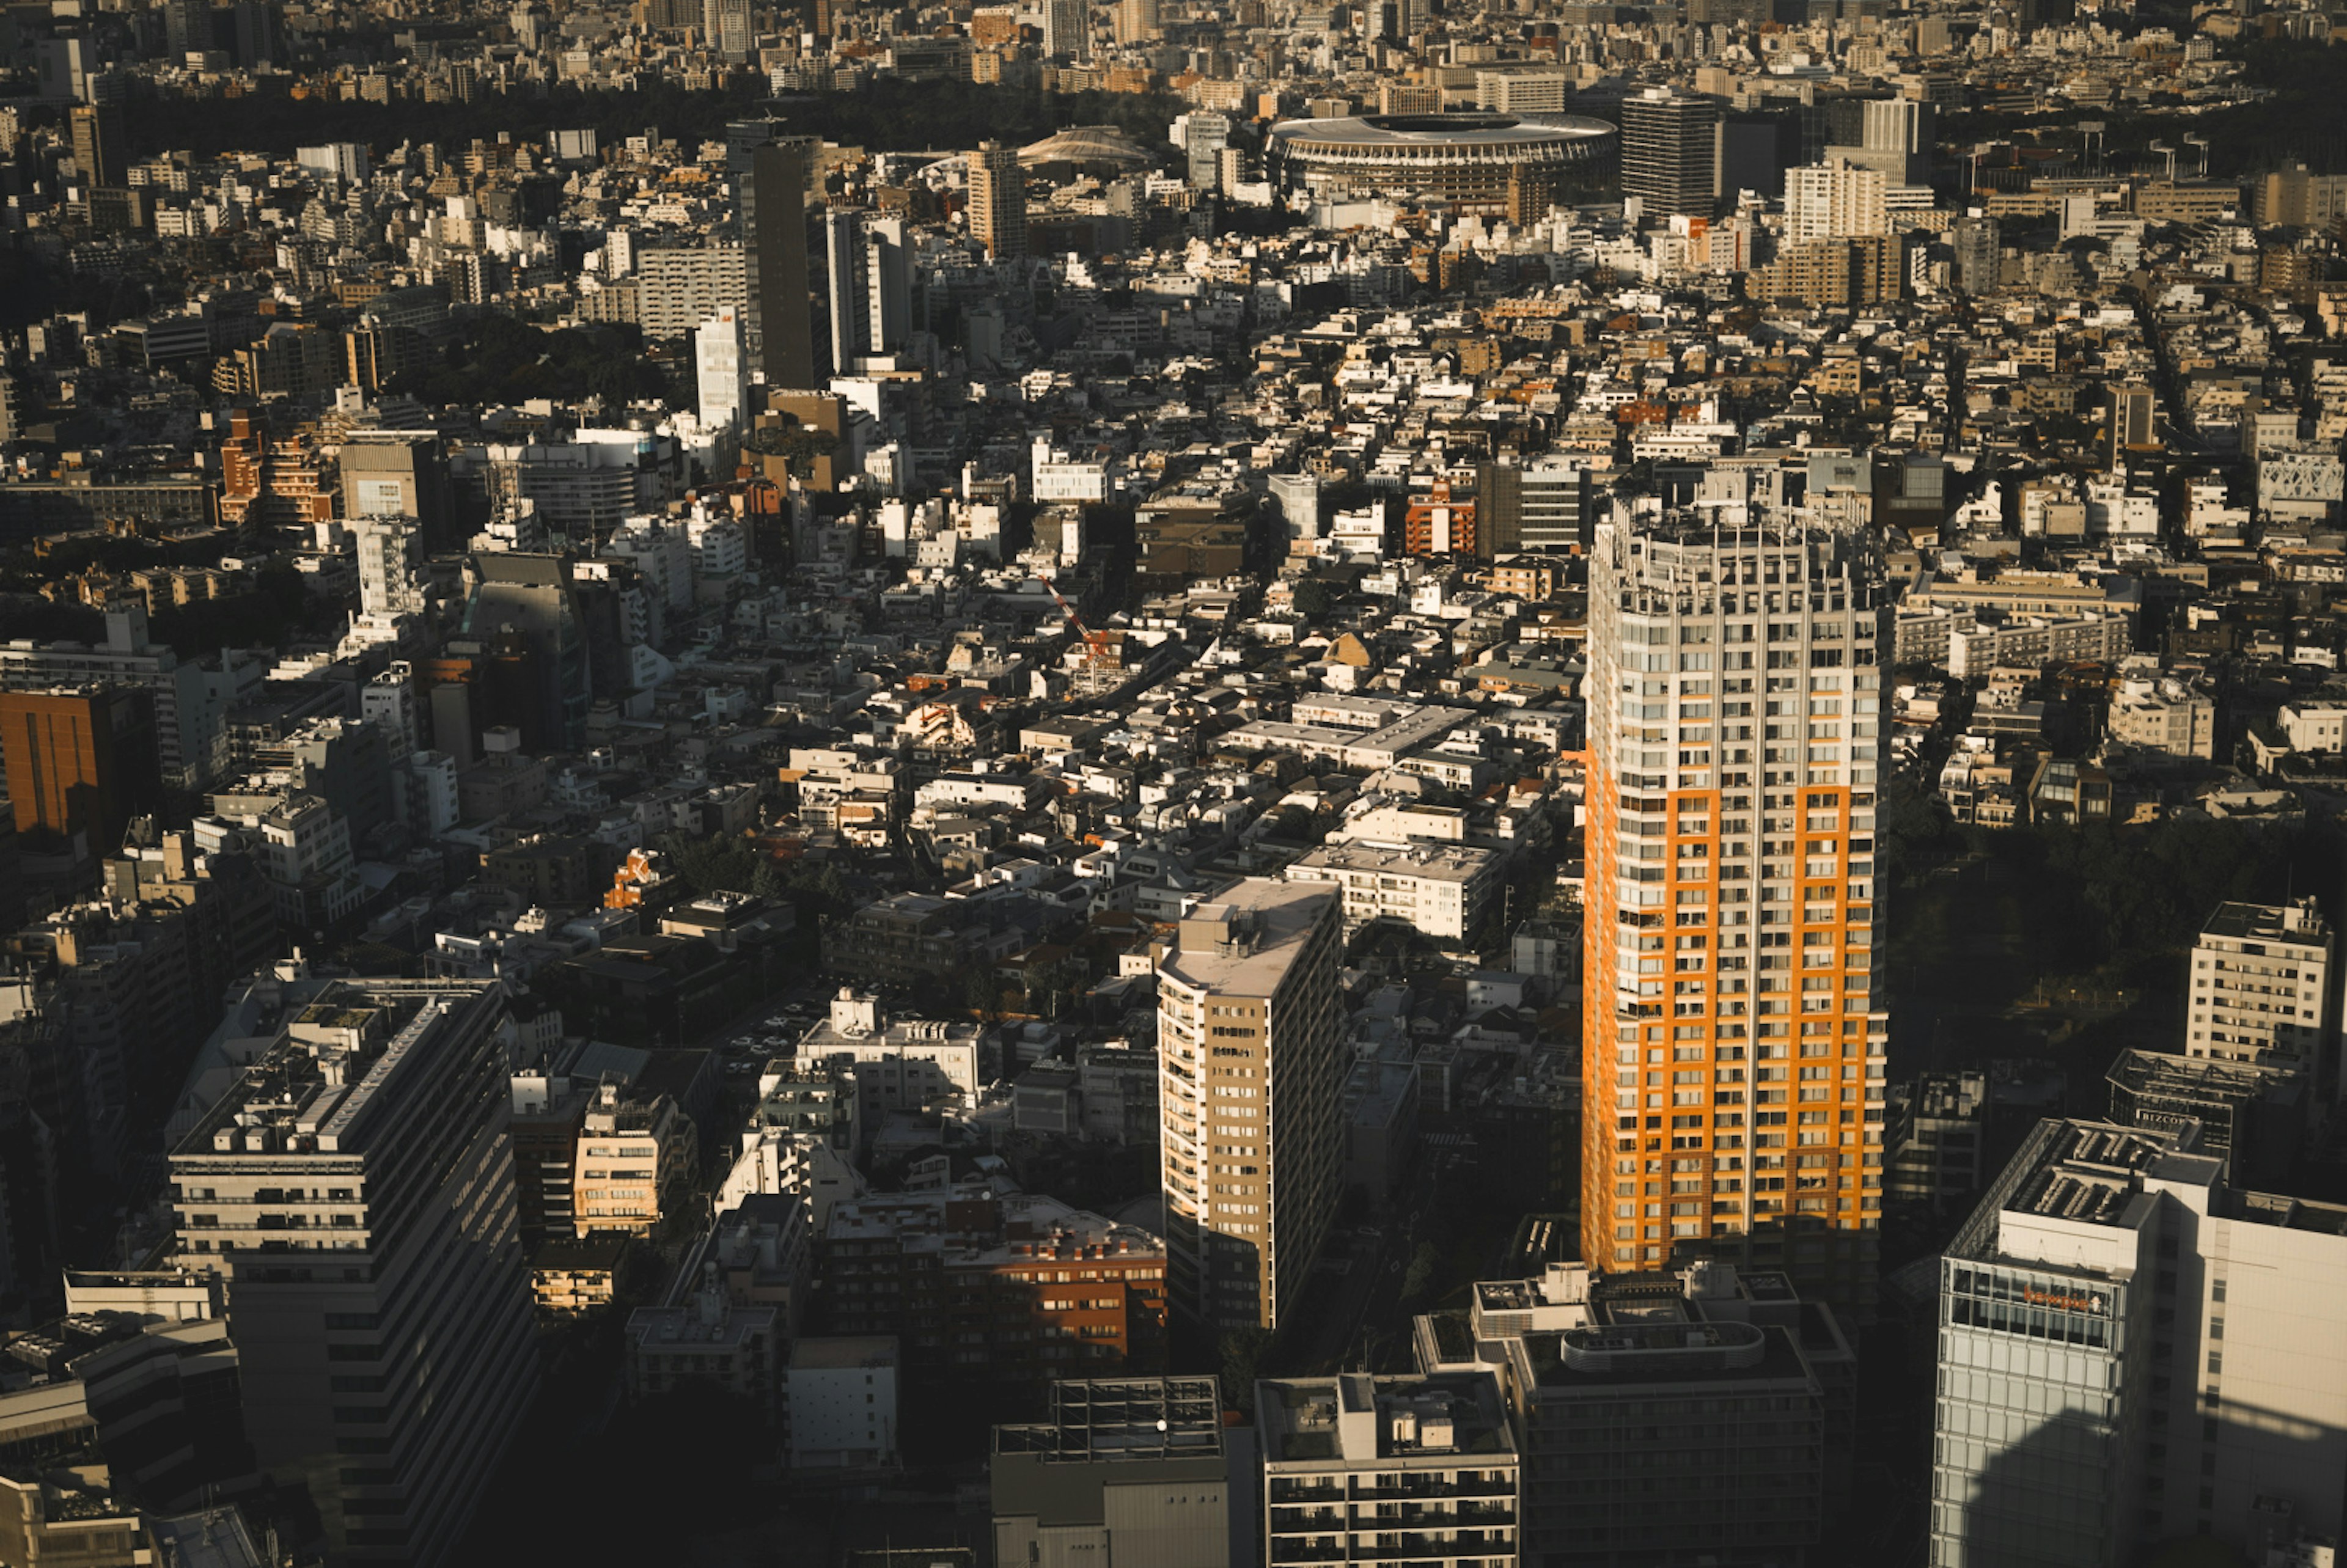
2133 1351
356 1190
1248 1090
1733 1078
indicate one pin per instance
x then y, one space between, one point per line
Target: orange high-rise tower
1732 1031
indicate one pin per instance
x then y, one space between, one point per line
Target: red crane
1095 642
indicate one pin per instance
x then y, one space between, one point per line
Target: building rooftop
1357 1418
1242 940
1122 1419
2297 923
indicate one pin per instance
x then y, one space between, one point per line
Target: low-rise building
706 1339
1389 1470
1444 891
840 1392
1724 1391
635 1157
1130 1471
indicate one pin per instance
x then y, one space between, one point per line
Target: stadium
1467 159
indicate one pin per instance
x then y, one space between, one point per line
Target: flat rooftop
1241 941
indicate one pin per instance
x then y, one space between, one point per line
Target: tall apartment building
1137 21
2261 988
871 287
1670 153
356 1189
1834 200
1250 1070
1733 1067
1723 1392
1125 1472
1066 30
2133 1350
998 201
1388 1470
1836 274
100 146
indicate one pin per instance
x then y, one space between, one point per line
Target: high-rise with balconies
356 1190
1733 1031
1251 1142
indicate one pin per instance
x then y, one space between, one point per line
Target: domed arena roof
1087 144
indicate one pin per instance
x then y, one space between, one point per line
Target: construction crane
1095 642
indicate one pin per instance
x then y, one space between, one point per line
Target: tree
1242 1351
1314 600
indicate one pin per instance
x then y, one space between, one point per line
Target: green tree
1314 600
1242 1351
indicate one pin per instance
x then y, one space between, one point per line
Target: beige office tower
998 201
2259 987
1733 1031
1250 1065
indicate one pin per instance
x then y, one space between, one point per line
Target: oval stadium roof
1087 144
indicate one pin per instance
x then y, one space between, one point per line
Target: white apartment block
1834 200
2167 716
1388 1470
1443 889
1733 1067
2260 988
2132 1352
1948 636
1250 1069
895 1064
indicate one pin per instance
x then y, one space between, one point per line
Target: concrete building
188 703
895 1064
983 1288
2167 716
354 1188
79 762
1723 1392
1733 1065
400 474
1444 890
2252 1115
709 1339
1388 1470
2132 1351
1834 200
721 368
1250 1072
2260 990
635 1160
1938 1138
840 1392
1121 1473
1970 644
778 327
